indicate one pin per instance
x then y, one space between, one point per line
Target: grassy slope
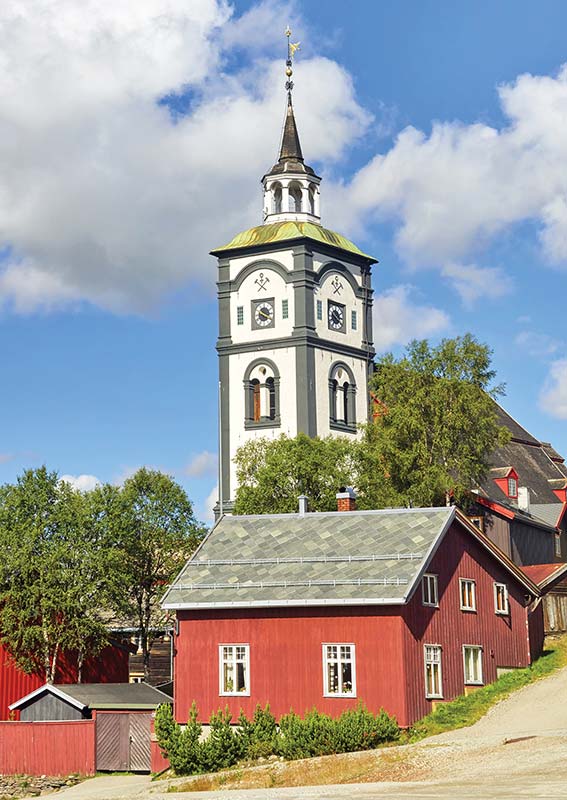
386 763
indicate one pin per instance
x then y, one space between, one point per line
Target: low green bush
295 737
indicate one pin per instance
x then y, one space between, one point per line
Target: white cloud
398 320
553 396
106 196
202 464
210 503
83 483
537 344
453 191
472 282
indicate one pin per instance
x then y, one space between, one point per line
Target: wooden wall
286 644
504 639
47 748
111 666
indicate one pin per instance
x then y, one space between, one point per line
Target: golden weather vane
291 49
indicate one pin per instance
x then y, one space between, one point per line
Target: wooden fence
47 748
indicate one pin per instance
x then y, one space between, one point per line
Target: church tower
295 317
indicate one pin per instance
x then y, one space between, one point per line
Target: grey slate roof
548 512
320 558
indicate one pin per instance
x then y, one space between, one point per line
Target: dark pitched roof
291 157
536 464
118 696
337 558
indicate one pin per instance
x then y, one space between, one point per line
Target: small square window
472 657
512 487
433 682
240 315
468 594
501 604
234 669
353 320
285 309
339 674
319 309
429 592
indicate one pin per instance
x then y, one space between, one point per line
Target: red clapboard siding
286 644
286 658
504 638
47 748
111 666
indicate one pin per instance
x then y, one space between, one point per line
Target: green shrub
167 730
223 747
292 741
259 735
185 756
360 729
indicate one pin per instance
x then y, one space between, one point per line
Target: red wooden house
399 609
110 666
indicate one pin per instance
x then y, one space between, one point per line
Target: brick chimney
346 499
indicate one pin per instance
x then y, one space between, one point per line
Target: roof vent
524 498
346 499
303 505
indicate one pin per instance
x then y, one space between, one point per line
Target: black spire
291 148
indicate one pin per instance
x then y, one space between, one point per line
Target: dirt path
518 750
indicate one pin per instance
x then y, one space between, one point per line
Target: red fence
47 748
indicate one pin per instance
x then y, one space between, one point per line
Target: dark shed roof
102 696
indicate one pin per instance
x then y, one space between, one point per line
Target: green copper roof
282 231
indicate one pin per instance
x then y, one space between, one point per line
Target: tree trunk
80 662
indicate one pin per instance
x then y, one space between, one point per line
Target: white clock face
336 317
264 314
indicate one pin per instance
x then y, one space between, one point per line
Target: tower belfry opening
295 316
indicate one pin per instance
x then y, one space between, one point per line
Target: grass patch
465 711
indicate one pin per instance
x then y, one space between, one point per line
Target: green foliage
155 533
223 747
259 735
316 734
271 474
55 575
436 425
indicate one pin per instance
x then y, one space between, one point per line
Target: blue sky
441 133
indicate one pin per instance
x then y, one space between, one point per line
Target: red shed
399 608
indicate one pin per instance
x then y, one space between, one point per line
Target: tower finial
291 48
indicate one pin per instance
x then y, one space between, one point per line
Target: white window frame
477 648
506 611
557 545
436 662
235 661
462 582
512 486
326 660
430 580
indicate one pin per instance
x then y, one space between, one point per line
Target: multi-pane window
468 594
558 545
319 309
501 605
433 684
285 309
353 320
240 315
512 487
234 668
339 669
429 590
472 658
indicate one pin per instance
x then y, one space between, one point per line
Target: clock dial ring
263 313
336 317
